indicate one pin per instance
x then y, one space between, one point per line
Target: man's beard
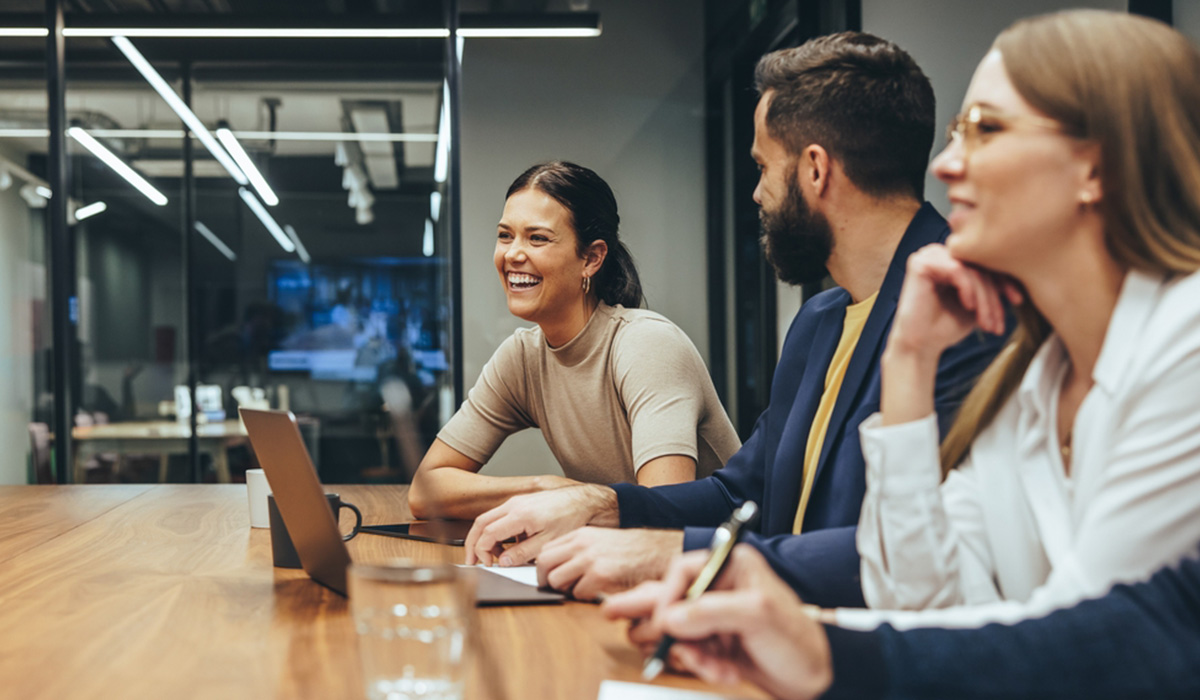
796 240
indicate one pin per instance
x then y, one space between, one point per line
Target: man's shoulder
803 330
830 301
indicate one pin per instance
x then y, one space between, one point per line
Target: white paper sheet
521 574
618 690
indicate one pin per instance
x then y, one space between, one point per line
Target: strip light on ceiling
185 113
87 211
435 205
24 31
441 158
427 240
111 160
216 242
528 32
243 160
472 25
260 32
247 135
300 249
265 217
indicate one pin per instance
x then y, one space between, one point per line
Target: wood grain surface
166 592
31 515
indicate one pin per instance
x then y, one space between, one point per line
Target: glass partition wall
292 251
26 402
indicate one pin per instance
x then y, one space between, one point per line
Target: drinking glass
413 623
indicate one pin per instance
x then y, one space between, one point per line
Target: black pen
723 540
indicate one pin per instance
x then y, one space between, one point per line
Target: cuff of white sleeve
859 619
901 458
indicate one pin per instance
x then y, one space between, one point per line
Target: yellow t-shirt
856 319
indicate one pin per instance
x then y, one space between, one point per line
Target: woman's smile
522 281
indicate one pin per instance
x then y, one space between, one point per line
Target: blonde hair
1129 85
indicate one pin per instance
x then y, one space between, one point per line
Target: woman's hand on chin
944 299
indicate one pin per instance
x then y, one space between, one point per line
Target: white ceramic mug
257 488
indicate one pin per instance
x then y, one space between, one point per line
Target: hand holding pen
723 542
749 626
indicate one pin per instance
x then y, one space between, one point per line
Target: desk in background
163 438
165 591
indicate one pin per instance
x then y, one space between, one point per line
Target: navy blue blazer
822 564
1138 641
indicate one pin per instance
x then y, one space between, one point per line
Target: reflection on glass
319 281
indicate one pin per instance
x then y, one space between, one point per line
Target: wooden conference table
164 591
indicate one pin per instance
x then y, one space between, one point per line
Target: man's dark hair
861 98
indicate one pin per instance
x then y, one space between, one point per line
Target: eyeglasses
979 123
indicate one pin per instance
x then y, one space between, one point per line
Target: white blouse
1008 535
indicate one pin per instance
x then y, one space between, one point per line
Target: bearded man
842 134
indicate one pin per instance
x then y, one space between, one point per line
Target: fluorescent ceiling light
435 205
216 242
112 161
261 212
267 33
30 194
24 133
243 160
300 249
441 159
259 32
333 136
471 24
89 210
185 113
247 135
427 243
138 133
43 191
528 32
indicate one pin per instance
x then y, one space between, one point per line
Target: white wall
18 275
948 38
629 105
1187 18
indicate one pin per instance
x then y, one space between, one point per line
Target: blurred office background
364 299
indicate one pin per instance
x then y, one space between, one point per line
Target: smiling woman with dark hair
620 393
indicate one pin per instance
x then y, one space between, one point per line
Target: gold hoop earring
587 284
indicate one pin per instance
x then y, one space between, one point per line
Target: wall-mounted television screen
359 320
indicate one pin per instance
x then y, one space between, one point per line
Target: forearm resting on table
444 489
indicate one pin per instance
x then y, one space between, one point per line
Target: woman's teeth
518 280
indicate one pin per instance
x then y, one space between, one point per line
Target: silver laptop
298 495
280 449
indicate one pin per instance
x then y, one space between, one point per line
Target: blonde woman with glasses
1074 177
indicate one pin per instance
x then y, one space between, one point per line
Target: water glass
413 623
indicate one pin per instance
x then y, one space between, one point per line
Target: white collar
1140 292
